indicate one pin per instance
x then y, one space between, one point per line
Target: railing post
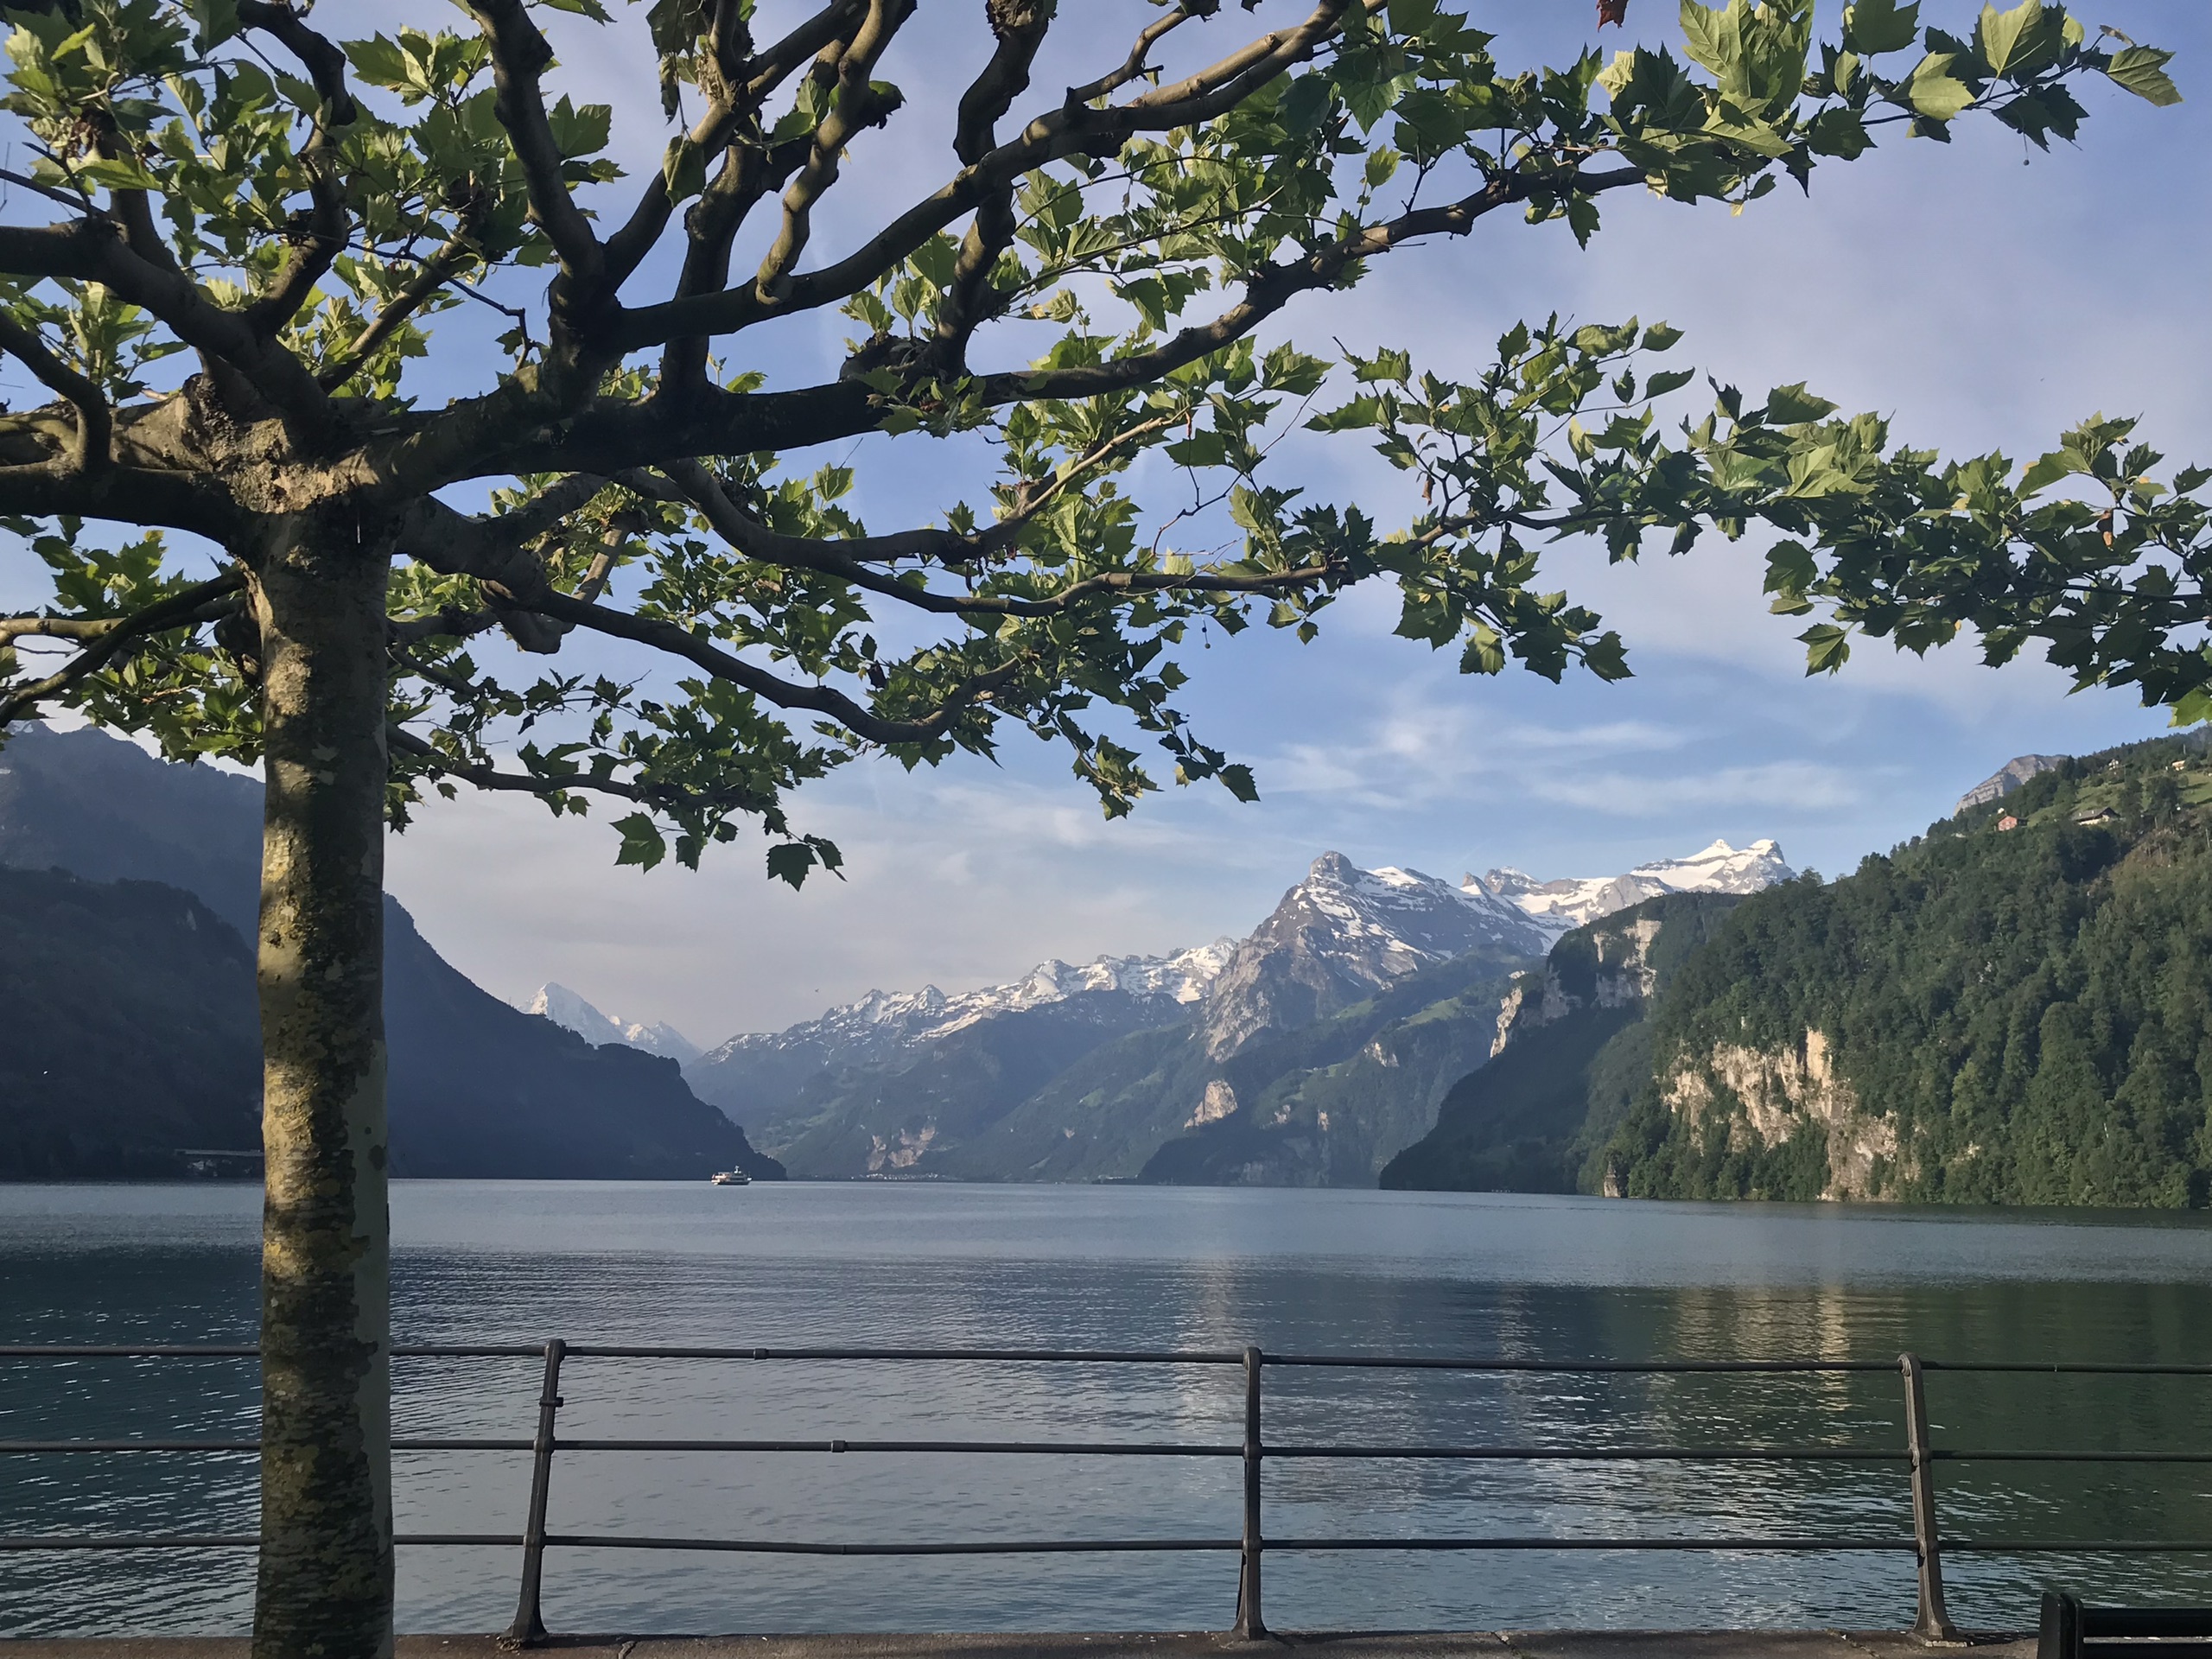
1250 1626
1934 1621
529 1628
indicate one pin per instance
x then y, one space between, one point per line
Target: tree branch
93 250
861 721
1133 64
435 762
731 121
432 275
519 56
105 640
857 107
323 238
1061 132
95 421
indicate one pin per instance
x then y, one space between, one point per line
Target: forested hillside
2015 1008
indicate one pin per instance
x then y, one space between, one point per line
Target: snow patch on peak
884 1021
1561 907
565 1007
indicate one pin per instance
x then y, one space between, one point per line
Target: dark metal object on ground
2073 1629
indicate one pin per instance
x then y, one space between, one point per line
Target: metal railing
1926 1544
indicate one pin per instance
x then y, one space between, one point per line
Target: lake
944 1266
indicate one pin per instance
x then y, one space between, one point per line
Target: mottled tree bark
325 1464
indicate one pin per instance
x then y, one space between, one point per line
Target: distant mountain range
1310 1051
131 888
565 1008
1719 869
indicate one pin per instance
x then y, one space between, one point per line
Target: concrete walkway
1472 1644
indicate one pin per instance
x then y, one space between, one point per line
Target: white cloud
1792 783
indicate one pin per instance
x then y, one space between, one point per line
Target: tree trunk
325 1584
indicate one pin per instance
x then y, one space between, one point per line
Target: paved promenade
1472 1644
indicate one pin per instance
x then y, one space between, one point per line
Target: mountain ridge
475 1087
1234 1061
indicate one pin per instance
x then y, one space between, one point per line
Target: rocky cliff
1568 1054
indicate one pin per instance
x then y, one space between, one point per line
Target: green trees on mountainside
2030 1008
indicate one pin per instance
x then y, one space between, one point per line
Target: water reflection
1122 1268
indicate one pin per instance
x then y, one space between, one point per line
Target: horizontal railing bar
1181 1449
1975 1456
1041 1356
233 1350
1577 1367
1804 1545
1111 1356
1599 1454
1035 1448
170 1350
231 1541
227 1447
2063 1368
1062 1547
2081 1547
1016 1546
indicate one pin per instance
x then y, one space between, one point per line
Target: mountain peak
1563 906
2007 778
565 1007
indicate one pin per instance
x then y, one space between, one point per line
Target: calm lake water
1462 1275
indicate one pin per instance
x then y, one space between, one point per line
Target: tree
316 564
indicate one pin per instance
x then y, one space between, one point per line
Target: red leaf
1612 11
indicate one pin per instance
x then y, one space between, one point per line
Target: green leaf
1238 779
116 173
1792 405
1712 35
216 20
790 861
2049 469
1873 25
2021 40
590 9
2142 71
1661 337
642 843
1790 568
1840 133
1826 648
684 168
1670 380
1933 91
1306 103
1582 219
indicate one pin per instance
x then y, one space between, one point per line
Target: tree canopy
259 227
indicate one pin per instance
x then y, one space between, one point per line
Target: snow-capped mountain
565 1007
829 1090
1561 907
1344 933
753 1071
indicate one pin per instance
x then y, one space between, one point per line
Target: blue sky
1982 294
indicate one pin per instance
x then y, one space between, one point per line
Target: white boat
731 1178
